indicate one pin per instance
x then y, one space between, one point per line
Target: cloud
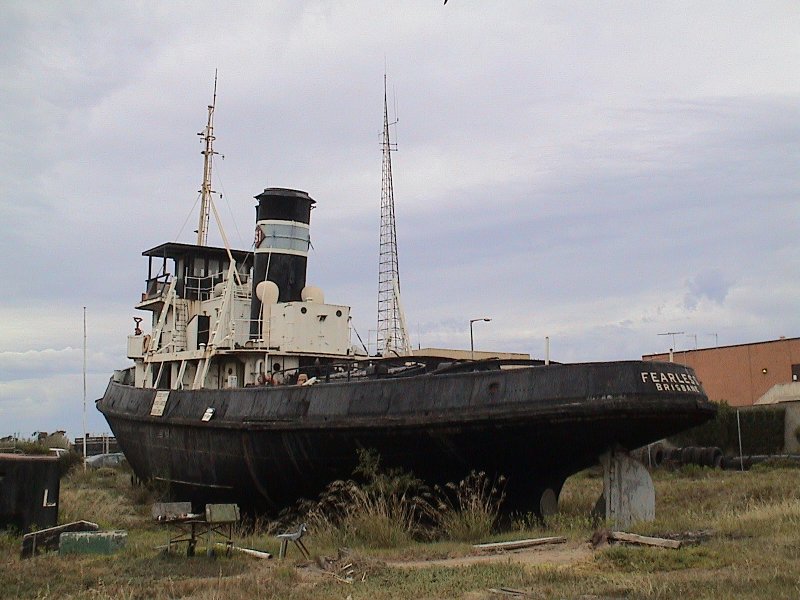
711 285
32 363
577 174
49 403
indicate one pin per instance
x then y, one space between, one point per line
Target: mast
392 334
208 153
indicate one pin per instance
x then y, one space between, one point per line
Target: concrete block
92 542
630 496
49 539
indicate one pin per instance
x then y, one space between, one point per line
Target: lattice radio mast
392 332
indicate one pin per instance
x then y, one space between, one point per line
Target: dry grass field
742 529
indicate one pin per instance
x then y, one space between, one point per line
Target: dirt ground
567 553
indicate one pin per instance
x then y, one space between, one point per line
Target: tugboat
247 388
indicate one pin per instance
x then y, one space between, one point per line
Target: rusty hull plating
265 447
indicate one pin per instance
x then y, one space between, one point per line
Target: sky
598 173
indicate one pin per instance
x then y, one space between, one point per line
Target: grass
385 508
392 509
106 496
468 510
750 548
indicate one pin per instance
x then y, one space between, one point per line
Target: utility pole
84 388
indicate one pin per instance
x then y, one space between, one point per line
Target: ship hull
265 448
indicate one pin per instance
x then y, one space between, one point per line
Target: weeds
104 496
30 447
571 525
468 511
649 560
387 510
68 461
9 542
390 508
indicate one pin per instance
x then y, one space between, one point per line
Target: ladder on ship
155 338
181 320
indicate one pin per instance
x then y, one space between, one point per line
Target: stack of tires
694 455
652 455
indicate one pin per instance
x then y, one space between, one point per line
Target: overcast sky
596 172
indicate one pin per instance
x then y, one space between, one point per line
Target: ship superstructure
225 318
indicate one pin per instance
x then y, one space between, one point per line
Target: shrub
468 511
68 461
30 447
762 430
391 507
386 509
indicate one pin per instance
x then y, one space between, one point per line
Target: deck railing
156 287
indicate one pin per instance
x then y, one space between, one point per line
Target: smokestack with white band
281 246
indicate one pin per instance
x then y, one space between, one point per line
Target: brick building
743 373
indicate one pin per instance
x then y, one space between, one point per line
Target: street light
471 338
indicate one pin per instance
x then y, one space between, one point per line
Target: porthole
338 313
303 310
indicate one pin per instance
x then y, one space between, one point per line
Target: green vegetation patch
762 430
390 508
442 582
633 559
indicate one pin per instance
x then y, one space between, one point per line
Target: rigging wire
224 195
363 345
188 216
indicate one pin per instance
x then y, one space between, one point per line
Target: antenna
673 334
392 333
208 153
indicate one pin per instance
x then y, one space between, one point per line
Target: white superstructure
213 326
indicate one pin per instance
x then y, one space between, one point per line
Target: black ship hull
266 447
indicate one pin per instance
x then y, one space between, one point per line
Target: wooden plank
632 538
247 551
517 544
505 591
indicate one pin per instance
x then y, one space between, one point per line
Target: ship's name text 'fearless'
672 382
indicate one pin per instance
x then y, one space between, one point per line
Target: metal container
29 488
